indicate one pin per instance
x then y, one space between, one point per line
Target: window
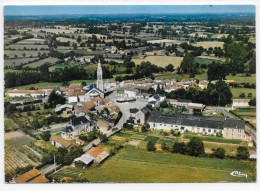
160 124
227 134
154 125
209 130
215 131
203 130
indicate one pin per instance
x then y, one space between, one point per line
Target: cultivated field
142 166
242 78
20 152
62 39
167 41
207 44
160 60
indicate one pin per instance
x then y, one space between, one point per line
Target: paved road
124 108
224 111
48 169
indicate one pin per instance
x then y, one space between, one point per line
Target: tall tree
187 64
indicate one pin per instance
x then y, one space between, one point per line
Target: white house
25 93
240 102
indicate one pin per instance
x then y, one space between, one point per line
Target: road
224 111
48 169
124 108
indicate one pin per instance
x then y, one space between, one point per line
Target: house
26 176
229 128
240 103
83 161
65 109
127 92
195 107
58 141
169 88
77 126
98 154
25 93
203 84
80 142
110 84
133 112
102 124
84 108
75 95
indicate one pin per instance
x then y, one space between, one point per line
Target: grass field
242 78
41 62
238 91
179 77
203 60
12 53
30 41
9 124
138 166
215 139
160 60
207 44
17 62
28 46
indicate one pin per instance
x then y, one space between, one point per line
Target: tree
150 146
164 104
45 135
187 64
219 153
164 146
35 125
169 68
252 65
217 71
242 153
195 147
55 99
79 39
145 127
179 148
242 95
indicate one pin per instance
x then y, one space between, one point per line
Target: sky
125 9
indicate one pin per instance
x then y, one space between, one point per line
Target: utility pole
54 163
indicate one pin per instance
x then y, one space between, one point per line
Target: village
110 100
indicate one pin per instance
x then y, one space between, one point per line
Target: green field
12 53
152 139
237 91
248 114
27 46
203 60
17 62
242 78
138 166
215 139
9 124
41 62
160 60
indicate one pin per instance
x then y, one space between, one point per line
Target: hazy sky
125 9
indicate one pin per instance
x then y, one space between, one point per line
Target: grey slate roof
67 129
79 120
199 121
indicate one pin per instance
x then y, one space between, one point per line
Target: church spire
100 83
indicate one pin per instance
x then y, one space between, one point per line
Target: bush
242 95
219 153
242 153
179 148
150 146
45 135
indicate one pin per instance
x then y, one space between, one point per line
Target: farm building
240 103
58 141
98 154
229 128
25 93
83 161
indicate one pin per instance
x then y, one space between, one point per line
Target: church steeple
100 83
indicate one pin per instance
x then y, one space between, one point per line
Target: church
93 91
96 90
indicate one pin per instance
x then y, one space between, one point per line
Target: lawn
203 60
138 166
152 139
238 91
179 77
160 60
